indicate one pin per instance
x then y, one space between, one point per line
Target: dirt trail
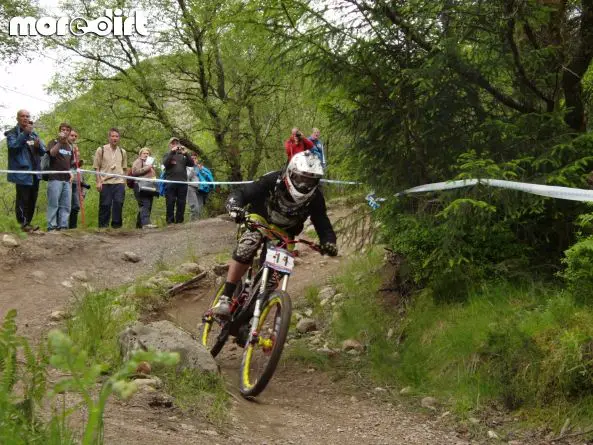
300 406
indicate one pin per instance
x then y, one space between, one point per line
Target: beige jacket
108 160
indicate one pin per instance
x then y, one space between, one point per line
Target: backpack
44 165
130 182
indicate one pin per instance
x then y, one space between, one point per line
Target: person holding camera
24 153
297 143
143 168
59 185
176 162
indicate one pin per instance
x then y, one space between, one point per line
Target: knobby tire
247 386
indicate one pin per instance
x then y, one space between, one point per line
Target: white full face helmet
302 176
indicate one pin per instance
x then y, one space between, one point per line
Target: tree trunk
573 74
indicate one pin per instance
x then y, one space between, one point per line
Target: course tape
166 181
551 191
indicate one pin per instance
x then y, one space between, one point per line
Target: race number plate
279 259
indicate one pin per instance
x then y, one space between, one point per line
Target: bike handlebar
253 224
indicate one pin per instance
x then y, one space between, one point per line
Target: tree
14 47
204 73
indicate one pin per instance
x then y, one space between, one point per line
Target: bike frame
284 243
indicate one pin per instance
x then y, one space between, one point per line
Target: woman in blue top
198 193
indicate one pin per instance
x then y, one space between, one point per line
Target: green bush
452 245
579 270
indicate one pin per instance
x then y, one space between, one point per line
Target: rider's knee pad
247 246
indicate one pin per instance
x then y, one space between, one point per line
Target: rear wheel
214 333
263 352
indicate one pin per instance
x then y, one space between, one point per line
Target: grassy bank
522 347
86 353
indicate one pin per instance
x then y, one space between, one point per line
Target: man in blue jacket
24 153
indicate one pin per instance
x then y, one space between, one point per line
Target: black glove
238 214
329 249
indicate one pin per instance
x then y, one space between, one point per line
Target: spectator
111 158
296 143
142 167
198 193
176 162
24 152
317 146
59 185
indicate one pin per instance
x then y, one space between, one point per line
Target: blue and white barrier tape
166 181
551 191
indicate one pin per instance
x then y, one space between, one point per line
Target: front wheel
263 351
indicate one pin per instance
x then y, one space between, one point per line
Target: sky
22 85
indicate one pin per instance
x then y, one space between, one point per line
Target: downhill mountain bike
260 312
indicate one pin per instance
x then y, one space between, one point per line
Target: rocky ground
302 404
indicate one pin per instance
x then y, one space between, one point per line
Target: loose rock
68 284
220 269
429 402
58 316
162 282
405 391
190 268
131 257
165 336
153 382
390 333
306 325
9 241
493 435
352 345
80 275
326 293
326 351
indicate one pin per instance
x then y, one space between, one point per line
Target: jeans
74 207
176 194
26 199
111 204
59 196
196 201
144 208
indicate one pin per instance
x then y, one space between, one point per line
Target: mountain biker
286 199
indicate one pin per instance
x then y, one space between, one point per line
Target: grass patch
96 322
527 347
222 257
196 392
362 317
311 297
299 351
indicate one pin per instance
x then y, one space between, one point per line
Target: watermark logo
112 23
